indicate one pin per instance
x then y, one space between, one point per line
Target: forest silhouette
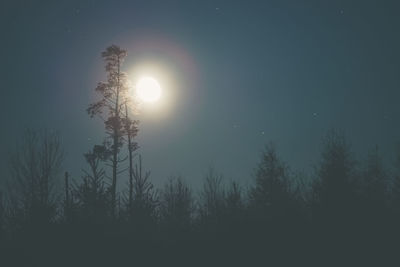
346 214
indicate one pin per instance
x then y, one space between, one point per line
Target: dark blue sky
242 73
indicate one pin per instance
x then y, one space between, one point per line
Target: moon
148 89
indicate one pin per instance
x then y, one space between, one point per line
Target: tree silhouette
212 198
234 200
176 203
131 130
259 223
91 195
145 199
271 197
333 192
113 99
35 166
235 208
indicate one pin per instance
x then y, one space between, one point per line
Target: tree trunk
130 200
115 149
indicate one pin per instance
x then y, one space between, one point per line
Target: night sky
235 74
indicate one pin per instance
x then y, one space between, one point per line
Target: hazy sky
237 74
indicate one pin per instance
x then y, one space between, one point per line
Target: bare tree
114 93
35 167
212 197
177 204
234 200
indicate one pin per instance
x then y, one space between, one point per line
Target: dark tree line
348 209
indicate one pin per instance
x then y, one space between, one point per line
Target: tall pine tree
114 94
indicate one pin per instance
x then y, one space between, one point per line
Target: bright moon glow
148 89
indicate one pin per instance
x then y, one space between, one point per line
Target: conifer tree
333 192
271 195
91 195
